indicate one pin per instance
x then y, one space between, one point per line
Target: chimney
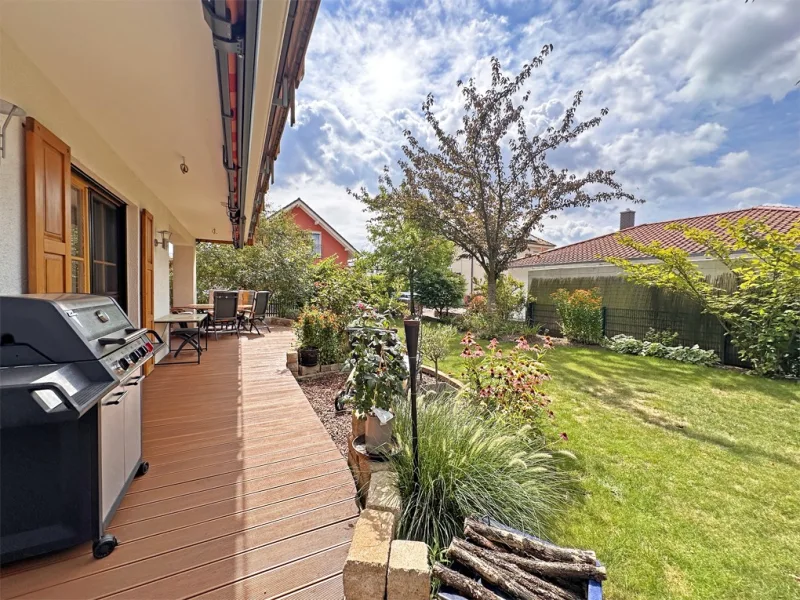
627 219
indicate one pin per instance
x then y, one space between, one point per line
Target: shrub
509 296
472 465
625 344
435 342
321 329
507 383
580 314
662 336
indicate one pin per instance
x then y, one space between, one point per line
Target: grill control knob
149 346
142 352
124 363
134 357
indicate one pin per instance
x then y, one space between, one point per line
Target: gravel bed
321 393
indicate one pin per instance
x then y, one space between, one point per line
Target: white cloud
672 72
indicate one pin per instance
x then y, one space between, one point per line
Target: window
316 238
98 242
79 212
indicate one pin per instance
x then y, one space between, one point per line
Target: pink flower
478 350
563 436
466 353
522 344
493 344
499 354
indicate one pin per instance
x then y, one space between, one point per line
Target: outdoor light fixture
165 238
10 110
412 345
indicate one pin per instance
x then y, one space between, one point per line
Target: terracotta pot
358 426
376 435
309 357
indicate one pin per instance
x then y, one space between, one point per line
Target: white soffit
144 75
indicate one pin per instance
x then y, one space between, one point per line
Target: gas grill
70 419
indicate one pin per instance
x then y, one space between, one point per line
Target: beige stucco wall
707 266
184 271
22 83
470 269
13 267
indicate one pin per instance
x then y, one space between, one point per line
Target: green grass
691 475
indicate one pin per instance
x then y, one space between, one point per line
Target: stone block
367 561
291 357
383 492
294 369
409 576
303 371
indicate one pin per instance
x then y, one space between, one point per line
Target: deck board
247 495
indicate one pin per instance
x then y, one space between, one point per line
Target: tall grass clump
471 464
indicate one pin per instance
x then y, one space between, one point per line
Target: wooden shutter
147 277
48 164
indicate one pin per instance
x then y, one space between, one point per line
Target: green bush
321 329
580 314
509 296
441 289
661 336
472 465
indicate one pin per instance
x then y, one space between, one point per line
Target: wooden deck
247 496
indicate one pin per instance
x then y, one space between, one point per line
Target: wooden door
147 238
47 167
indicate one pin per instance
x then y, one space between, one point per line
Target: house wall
13 267
22 83
709 267
470 269
330 245
184 275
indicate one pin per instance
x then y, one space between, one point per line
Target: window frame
313 248
82 188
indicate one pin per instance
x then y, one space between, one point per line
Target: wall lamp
165 238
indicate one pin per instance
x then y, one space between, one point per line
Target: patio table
207 307
190 335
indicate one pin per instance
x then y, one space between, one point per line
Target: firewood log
541 588
531 547
463 584
500 577
579 571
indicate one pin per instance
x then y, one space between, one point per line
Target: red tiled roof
596 249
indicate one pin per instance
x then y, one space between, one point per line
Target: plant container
377 434
308 357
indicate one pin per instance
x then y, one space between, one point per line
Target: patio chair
189 335
225 315
258 312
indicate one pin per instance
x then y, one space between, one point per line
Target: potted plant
378 375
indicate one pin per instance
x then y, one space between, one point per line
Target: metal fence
281 308
692 327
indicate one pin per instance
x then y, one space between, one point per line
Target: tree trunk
497 576
463 584
541 550
491 289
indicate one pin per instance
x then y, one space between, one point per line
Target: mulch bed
321 393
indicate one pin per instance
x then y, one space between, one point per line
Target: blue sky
704 114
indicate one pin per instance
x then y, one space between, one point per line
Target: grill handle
41 387
155 333
132 335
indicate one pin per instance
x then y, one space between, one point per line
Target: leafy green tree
280 260
435 343
762 313
488 185
404 250
441 289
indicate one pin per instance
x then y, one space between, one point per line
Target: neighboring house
133 124
473 271
587 258
327 241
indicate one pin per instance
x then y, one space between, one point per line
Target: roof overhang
144 76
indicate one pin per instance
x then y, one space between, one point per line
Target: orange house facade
327 241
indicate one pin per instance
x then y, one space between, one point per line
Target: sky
704 113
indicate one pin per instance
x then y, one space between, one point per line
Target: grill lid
59 328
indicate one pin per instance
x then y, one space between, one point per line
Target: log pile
523 568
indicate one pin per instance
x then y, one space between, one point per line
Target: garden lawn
690 475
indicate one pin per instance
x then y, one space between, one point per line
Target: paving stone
368 559
383 492
409 576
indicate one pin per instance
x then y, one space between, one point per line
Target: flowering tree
487 186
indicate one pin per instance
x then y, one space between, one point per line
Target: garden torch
412 345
